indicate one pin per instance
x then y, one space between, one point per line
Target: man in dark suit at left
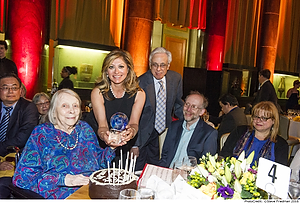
191 136
20 115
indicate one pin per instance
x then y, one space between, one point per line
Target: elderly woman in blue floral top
59 156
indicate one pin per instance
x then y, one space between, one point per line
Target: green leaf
246 194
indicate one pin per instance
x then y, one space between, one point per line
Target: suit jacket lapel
168 89
151 90
14 115
197 130
177 139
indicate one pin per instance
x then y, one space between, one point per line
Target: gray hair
36 98
205 101
54 101
160 50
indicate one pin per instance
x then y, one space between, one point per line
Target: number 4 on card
273 177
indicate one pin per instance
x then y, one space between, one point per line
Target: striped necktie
160 116
4 123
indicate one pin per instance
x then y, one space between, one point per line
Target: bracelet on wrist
134 132
102 138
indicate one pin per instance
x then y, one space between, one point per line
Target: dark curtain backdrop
287 58
185 13
242 34
82 20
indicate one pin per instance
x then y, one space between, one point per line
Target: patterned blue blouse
50 154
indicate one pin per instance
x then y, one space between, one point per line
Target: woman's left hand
128 133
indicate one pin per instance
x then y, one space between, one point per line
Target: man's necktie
160 116
4 123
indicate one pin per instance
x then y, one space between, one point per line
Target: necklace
68 148
114 94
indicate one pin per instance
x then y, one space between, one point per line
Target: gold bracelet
134 130
101 136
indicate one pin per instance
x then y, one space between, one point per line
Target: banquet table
294 130
81 193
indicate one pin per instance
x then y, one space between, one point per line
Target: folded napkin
179 189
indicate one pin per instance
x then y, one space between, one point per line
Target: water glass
129 194
146 194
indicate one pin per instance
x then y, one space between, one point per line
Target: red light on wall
2 13
27 29
215 53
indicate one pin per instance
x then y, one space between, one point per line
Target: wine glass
146 194
178 170
189 163
294 190
294 186
129 194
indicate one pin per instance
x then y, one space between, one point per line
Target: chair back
284 123
223 140
248 119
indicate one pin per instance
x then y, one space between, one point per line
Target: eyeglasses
42 104
193 107
5 88
262 118
163 66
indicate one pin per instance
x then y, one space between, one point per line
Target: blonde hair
53 104
130 83
269 110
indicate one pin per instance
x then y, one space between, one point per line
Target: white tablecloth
294 130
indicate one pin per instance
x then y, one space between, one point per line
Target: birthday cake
107 183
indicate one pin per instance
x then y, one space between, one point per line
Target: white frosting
115 177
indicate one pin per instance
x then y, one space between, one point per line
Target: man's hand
6 166
135 151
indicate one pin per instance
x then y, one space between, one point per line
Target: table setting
213 178
210 178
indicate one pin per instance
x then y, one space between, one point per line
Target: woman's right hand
76 180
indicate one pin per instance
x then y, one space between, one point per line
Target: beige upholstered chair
223 139
284 124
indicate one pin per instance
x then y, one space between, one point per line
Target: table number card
273 177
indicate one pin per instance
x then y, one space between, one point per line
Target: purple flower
252 171
225 192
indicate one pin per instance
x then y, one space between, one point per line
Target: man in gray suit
163 89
